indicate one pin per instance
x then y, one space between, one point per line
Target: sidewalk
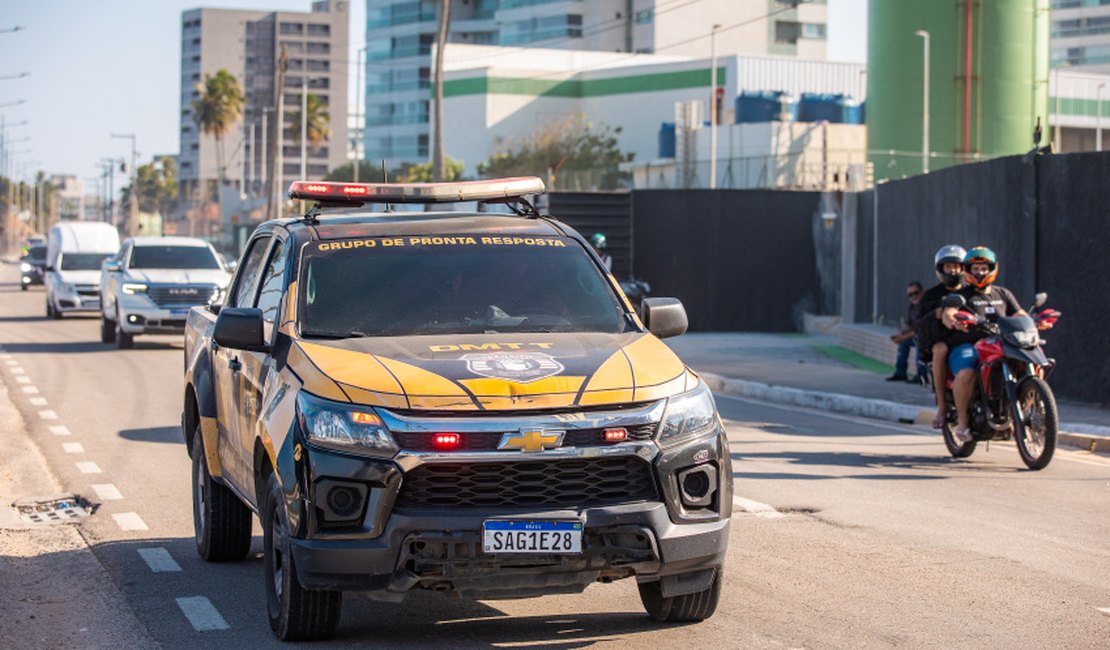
814 371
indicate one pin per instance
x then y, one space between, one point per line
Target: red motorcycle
1012 398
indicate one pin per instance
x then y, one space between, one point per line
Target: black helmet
598 241
946 254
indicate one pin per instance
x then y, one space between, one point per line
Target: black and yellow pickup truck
456 401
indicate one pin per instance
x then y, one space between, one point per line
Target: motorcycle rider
931 334
598 242
984 299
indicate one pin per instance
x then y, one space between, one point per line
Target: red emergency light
615 435
487 190
445 440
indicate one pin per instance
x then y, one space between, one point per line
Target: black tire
22 287
52 311
687 608
221 521
296 613
124 341
956 448
1035 435
107 329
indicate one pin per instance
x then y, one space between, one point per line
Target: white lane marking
38 401
30 390
73 448
23 380
159 560
59 430
1104 610
130 521
756 508
202 614
18 371
106 492
88 467
48 415
11 362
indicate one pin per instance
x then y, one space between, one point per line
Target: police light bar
492 190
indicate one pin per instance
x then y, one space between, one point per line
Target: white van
74 253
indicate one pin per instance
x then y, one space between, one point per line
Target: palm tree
319 121
218 108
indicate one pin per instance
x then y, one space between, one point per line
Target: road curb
1090 437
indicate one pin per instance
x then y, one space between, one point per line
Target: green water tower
988 81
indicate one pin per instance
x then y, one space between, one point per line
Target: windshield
173 257
454 285
83 261
36 253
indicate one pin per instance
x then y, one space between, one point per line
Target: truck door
227 367
258 367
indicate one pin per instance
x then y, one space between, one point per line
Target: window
173 257
787 32
273 281
316 29
246 280
644 17
291 29
813 30
319 48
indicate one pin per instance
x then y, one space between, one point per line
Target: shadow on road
84 347
851 459
154 434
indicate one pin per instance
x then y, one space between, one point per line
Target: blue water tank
666 140
765 106
837 109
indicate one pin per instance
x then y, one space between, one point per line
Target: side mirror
1040 299
48 268
953 300
112 267
664 317
240 328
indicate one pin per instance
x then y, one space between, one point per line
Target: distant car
150 286
32 266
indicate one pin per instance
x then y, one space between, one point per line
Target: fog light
340 502
697 485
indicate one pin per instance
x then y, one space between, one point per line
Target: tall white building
1081 34
400 36
248 44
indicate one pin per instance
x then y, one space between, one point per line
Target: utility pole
438 162
925 104
304 128
250 161
713 107
275 212
133 207
359 119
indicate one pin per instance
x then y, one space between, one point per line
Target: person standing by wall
905 337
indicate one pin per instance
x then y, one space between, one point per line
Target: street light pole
133 211
359 120
925 103
1056 142
304 128
1098 117
713 107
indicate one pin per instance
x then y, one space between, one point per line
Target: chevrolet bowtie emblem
531 440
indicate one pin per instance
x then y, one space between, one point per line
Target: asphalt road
848 532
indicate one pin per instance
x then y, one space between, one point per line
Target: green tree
157 186
318 125
425 172
218 108
559 148
367 173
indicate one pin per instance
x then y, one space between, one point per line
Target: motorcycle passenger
983 299
931 334
598 242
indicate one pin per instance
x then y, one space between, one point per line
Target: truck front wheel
687 608
221 521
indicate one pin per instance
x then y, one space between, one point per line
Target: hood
79 277
180 276
491 372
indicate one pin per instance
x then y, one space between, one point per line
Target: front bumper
152 320
419 528
76 303
30 277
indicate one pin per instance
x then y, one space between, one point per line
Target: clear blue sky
112 66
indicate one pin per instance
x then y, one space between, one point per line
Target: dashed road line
88 467
59 430
202 614
38 401
756 508
159 560
1104 610
11 362
48 415
73 448
30 390
23 379
106 492
16 370
130 521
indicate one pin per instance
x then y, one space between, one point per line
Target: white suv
150 286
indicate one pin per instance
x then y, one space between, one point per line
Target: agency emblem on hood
520 367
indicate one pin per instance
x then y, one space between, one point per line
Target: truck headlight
344 427
688 416
25 267
131 288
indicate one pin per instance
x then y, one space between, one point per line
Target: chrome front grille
488 440
182 295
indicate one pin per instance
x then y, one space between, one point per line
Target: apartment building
400 37
1081 34
249 45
